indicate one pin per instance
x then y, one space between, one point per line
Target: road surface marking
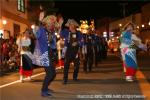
18 81
144 84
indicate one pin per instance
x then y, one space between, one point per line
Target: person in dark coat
88 54
72 44
104 48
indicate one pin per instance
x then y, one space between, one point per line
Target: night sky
86 10
96 9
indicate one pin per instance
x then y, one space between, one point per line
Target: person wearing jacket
72 44
45 45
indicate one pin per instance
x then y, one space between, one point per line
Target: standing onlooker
12 61
89 54
96 49
100 48
104 48
5 50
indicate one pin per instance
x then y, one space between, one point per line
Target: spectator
5 50
12 61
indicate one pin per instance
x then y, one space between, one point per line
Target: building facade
145 31
13 17
141 21
117 26
102 25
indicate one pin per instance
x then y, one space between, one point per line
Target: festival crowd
53 47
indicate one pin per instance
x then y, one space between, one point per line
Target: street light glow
56 33
143 25
120 25
32 26
104 35
1 31
111 35
4 22
104 32
58 36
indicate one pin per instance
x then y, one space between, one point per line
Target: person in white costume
23 42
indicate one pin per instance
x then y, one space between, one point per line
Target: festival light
111 34
84 26
84 31
104 34
92 25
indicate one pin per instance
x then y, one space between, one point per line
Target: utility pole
124 11
124 8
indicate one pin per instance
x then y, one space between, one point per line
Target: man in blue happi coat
45 45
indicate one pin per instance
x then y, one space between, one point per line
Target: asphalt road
106 82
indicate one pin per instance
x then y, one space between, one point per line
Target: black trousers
49 77
104 54
88 62
96 55
76 62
